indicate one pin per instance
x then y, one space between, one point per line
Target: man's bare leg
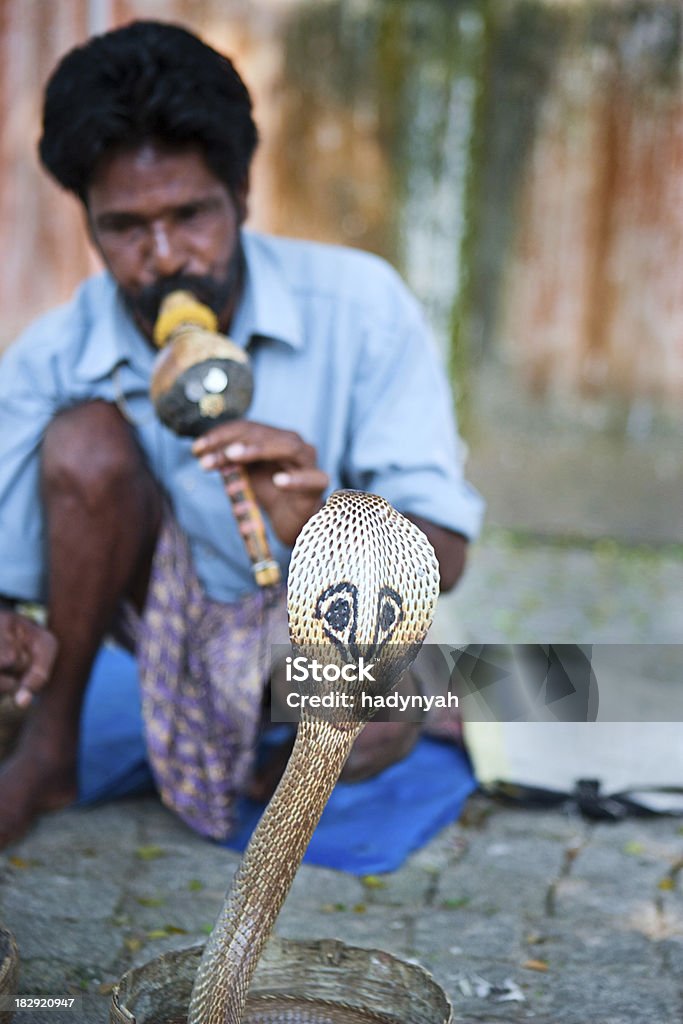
103 511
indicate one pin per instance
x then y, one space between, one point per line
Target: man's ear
241 198
91 233
89 226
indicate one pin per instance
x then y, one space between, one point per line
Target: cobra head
363 582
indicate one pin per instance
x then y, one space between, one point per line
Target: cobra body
363 580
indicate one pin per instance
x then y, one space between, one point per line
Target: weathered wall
40 236
592 291
45 252
520 160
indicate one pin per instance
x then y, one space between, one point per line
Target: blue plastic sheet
367 827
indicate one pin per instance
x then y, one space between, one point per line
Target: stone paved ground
518 590
520 916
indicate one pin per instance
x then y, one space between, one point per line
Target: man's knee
90 455
379 745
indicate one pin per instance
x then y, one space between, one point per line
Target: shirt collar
112 336
268 308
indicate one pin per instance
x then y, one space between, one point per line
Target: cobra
363 580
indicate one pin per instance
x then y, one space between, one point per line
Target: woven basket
354 984
9 969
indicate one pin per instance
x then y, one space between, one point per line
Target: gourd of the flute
200 378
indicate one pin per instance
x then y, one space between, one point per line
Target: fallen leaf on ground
455 904
373 882
535 965
165 931
149 852
22 862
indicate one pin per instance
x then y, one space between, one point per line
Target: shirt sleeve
26 408
404 443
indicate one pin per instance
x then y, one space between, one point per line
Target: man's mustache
208 290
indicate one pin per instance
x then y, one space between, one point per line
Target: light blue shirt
341 355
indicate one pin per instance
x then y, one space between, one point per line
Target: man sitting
115 523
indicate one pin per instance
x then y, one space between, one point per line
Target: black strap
588 800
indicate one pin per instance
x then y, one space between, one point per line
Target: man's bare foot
33 780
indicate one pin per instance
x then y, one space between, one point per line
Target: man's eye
189 212
122 229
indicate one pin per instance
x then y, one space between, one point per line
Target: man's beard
213 292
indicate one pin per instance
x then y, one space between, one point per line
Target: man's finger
238 432
23 697
245 441
33 680
274 448
313 481
36 673
219 436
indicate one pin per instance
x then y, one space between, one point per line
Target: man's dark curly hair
148 81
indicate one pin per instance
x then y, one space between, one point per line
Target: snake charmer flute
202 378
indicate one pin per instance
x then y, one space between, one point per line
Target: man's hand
287 483
27 654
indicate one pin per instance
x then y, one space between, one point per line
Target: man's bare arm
450 548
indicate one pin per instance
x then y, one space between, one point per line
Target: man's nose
167 256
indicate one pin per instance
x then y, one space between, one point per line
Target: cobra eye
337 606
338 615
389 614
